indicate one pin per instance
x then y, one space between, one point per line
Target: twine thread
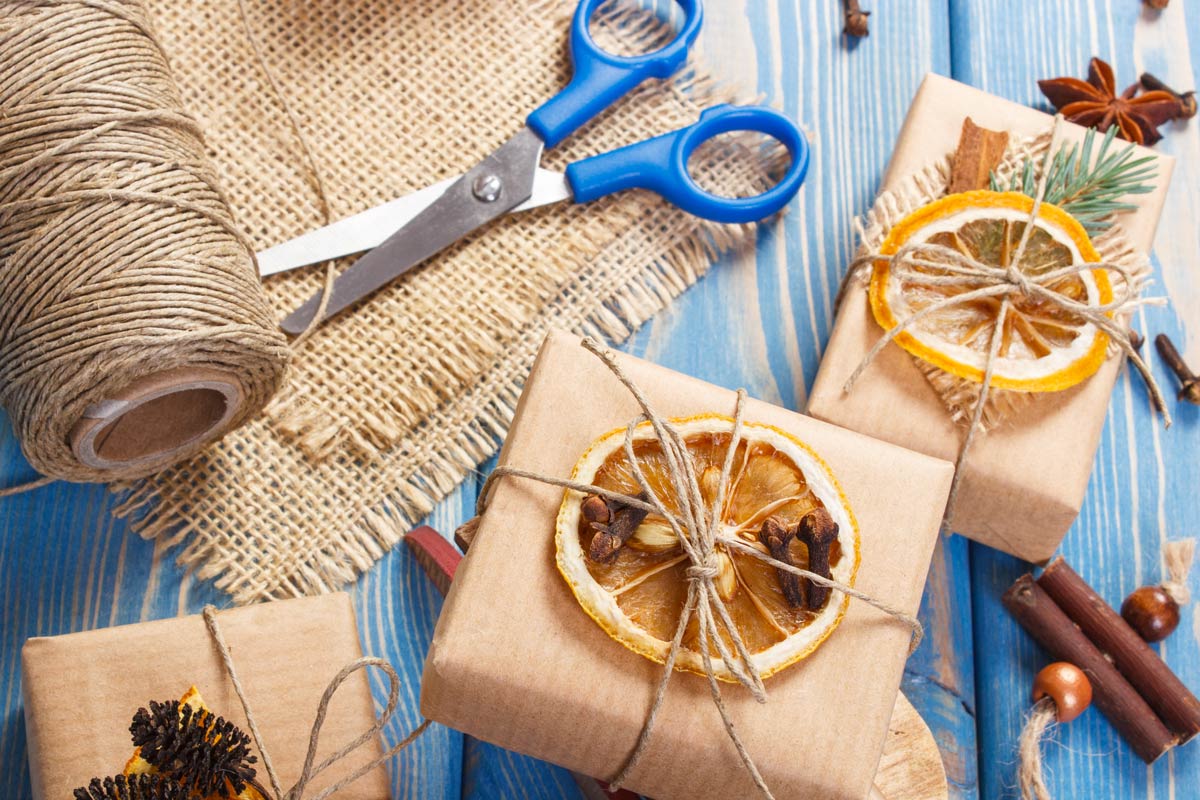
956 268
119 255
700 548
1029 776
1178 556
309 772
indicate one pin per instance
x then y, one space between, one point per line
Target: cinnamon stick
1113 695
979 152
1177 707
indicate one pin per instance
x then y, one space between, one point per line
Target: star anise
1094 103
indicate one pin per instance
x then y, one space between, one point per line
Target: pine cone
136 787
205 753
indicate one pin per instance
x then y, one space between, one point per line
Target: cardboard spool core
153 420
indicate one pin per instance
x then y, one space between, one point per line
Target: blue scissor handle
661 165
601 77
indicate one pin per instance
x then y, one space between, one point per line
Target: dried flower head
205 753
134 787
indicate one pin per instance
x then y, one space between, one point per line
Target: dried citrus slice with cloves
1043 346
628 570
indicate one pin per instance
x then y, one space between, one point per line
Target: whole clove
856 20
1189 384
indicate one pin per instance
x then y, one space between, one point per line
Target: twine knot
1019 283
312 769
714 626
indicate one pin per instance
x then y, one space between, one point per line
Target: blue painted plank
1142 490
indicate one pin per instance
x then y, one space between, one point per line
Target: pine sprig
134 787
1086 187
205 753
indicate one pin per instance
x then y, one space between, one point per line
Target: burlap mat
390 406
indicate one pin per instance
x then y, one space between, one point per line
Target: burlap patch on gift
391 405
958 394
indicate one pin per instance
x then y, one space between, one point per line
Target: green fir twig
1086 187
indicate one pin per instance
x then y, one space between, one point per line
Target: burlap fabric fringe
311 768
391 406
119 255
986 281
698 530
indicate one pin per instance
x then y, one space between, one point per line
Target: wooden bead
1067 686
1151 612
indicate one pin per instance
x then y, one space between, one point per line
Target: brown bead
1151 612
1067 686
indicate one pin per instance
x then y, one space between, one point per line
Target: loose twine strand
309 772
1178 556
955 268
701 550
119 255
1029 776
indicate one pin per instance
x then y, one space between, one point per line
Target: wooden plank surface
760 321
1143 487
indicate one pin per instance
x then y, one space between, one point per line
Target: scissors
405 232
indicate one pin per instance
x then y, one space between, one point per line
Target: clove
1189 384
777 538
856 20
613 523
1186 100
818 531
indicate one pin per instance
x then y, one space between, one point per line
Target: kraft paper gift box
1024 481
82 689
516 661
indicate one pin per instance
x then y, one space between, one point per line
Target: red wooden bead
1151 612
1067 686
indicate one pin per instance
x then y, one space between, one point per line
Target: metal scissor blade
370 228
466 205
354 234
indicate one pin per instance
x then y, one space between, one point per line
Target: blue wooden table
760 321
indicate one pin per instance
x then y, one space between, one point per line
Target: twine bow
311 770
700 544
952 267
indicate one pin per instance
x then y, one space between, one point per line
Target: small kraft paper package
81 690
551 644
1023 478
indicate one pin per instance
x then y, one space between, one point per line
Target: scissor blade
460 210
370 228
354 234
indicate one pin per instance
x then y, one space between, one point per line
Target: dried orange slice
635 591
138 765
1044 347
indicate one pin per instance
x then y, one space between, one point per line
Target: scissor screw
487 188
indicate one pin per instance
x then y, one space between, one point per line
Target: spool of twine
133 327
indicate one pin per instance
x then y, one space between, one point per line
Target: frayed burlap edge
959 395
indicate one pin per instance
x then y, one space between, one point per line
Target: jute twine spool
133 328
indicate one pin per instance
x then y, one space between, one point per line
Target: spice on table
1061 692
1157 5
1186 100
1162 690
1046 622
856 20
1095 103
613 523
1189 383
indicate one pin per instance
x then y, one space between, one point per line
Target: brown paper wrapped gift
1023 481
517 662
81 690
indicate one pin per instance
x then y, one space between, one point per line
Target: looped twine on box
311 770
952 267
699 532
